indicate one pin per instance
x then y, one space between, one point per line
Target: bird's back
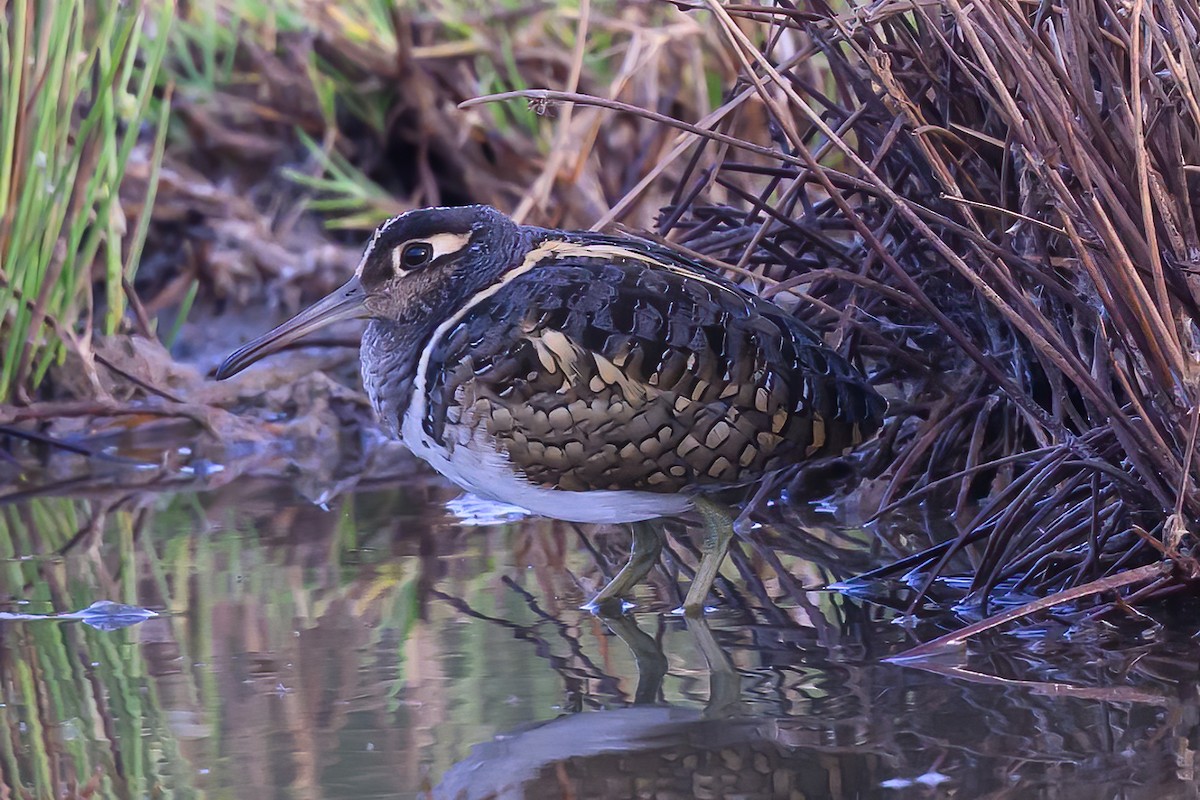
609 364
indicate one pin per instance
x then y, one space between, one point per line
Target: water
383 647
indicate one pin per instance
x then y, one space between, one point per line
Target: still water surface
386 647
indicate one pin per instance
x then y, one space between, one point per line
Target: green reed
77 80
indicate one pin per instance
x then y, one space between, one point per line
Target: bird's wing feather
594 372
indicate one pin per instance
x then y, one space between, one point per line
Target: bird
583 376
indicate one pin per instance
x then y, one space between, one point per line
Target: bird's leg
647 655
725 684
718 531
647 544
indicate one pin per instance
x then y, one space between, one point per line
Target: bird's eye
416 254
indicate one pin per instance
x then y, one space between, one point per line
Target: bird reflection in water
648 748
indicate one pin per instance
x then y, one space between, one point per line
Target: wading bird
583 376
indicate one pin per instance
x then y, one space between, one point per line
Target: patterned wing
601 373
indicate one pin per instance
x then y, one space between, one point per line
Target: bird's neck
390 352
392 347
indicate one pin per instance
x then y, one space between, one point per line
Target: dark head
417 270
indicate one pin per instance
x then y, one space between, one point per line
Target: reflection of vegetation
261 642
365 650
79 711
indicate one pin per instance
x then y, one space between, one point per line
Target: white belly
481 469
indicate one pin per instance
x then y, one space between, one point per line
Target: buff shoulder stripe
611 251
533 258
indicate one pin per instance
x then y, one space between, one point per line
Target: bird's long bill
345 303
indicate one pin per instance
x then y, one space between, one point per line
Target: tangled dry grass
993 205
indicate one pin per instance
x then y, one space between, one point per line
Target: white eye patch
441 243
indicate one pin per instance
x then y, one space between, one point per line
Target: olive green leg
647 655
718 532
647 544
725 684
